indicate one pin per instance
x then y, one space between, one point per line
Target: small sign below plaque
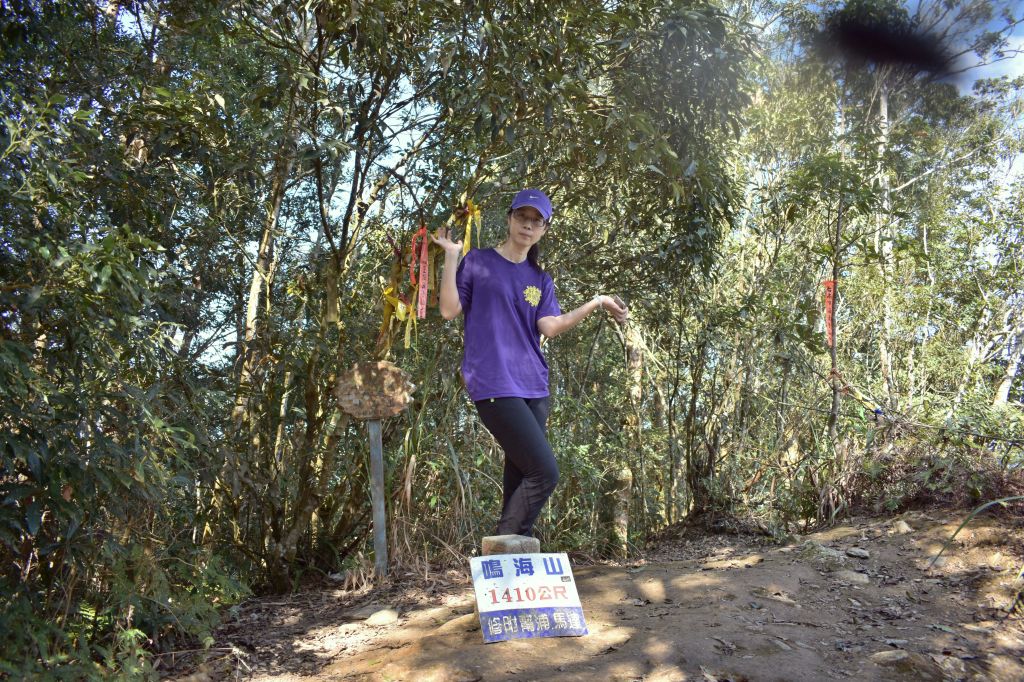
526 595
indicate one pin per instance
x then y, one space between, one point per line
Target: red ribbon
421 311
421 256
830 291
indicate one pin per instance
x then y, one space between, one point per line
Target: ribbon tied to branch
830 292
420 246
470 213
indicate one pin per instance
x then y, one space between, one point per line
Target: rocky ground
858 601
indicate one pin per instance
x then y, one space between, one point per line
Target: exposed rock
364 612
851 577
926 564
984 536
383 617
774 595
465 623
920 667
745 562
858 553
901 527
831 558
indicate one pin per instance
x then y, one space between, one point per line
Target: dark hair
533 255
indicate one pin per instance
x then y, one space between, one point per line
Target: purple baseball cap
535 199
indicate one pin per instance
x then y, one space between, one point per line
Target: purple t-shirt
501 303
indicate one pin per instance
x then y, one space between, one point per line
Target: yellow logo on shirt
532 295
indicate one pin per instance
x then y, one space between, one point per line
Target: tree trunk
674 449
619 493
883 246
977 349
260 278
833 413
1016 349
698 464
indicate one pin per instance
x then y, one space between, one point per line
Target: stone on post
373 391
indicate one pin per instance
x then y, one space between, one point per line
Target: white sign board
526 595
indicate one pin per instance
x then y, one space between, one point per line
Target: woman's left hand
615 306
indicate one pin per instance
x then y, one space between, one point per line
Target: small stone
920 667
890 658
464 623
364 612
901 527
510 544
858 553
383 617
831 558
851 577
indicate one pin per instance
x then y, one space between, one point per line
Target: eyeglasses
526 219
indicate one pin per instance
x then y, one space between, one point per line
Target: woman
508 302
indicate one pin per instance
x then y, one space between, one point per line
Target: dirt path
711 609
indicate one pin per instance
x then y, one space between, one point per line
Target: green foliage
201 204
94 475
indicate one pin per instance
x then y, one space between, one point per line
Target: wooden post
380 534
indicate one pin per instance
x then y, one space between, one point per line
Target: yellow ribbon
410 324
472 215
405 312
401 309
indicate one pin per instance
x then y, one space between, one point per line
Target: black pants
531 472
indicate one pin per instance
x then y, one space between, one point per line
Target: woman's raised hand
443 239
615 306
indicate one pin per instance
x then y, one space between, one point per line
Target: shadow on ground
855 602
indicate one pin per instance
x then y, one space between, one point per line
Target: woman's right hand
443 239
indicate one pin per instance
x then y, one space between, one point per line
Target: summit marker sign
526 595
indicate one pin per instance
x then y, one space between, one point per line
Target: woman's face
526 226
